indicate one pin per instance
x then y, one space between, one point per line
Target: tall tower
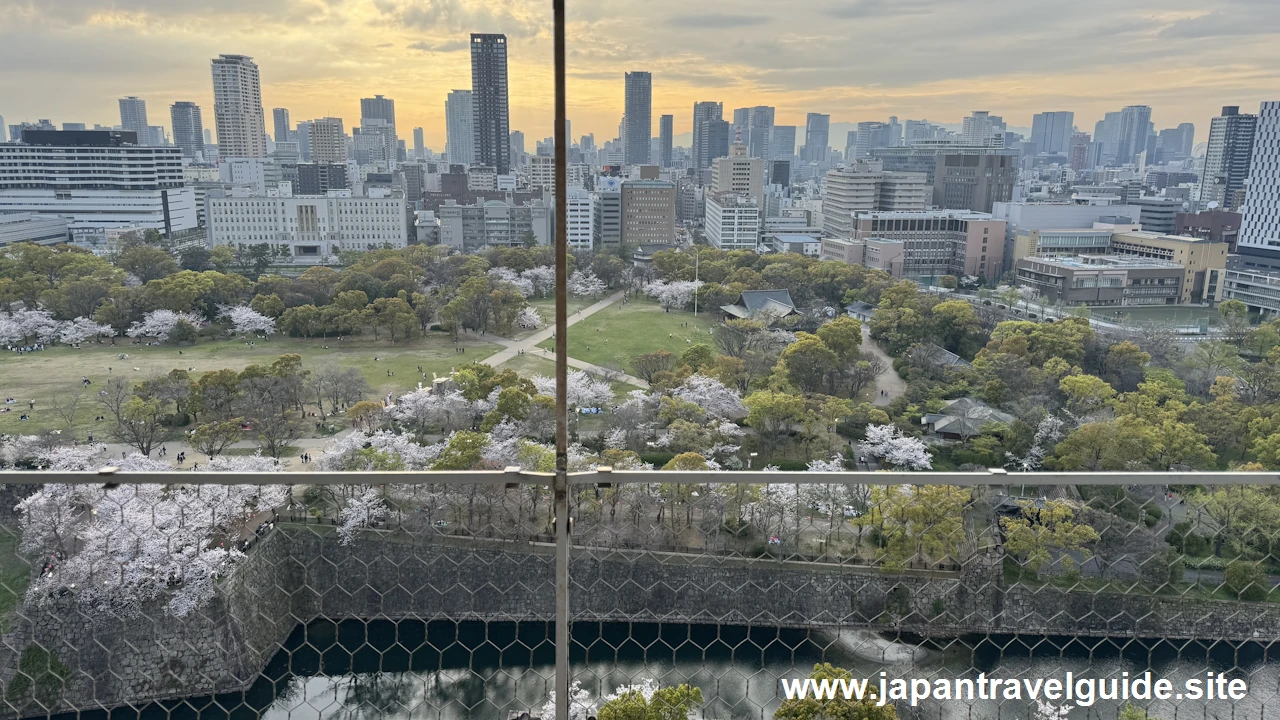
237 107
1228 157
491 123
703 112
817 129
328 141
419 147
381 108
280 119
1051 132
459 131
133 116
639 108
666 134
188 128
1135 126
1260 224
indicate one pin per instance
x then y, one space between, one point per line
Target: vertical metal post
560 486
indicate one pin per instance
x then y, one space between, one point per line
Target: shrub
1246 580
41 674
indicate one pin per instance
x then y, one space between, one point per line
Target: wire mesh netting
437 599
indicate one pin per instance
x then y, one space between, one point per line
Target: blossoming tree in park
74 332
714 397
585 284
529 319
523 284
542 280
887 443
28 326
360 506
159 324
676 294
245 320
119 549
584 390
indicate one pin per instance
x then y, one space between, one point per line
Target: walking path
889 381
529 345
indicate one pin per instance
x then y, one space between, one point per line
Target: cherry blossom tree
74 332
581 704
585 283
24 325
160 323
429 408
542 279
523 284
245 319
715 399
361 511
676 294
1050 430
584 390
893 448
529 319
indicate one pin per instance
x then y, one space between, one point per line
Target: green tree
698 357
1034 535
843 336
957 327
462 452
680 702
214 438
365 415
147 263
919 523
270 305
1086 393
771 414
649 364
1246 580
811 708
808 363
686 461
1234 316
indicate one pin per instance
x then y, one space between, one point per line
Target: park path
314 446
889 381
529 345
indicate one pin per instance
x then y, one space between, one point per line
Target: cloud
516 18
441 47
715 20
864 9
1238 21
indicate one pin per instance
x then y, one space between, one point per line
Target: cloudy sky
69 60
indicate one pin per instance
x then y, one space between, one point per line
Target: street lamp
751 457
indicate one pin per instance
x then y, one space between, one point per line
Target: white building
1260 224
733 221
1025 216
312 227
30 227
496 223
237 107
542 172
459 128
865 186
580 218
96 183
244 171
482 178
738 173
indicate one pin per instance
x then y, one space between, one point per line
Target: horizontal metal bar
609 476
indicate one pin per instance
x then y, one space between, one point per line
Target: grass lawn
529 365
40 375
620 332
546 307
15 575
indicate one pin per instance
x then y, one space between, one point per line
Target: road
529 346
889 381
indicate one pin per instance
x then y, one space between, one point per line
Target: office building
974 179
494 223
1260 222
4 131
302 135
1216 225
419 147
817 128
869 136
938 242
1227 157
866 186
237 107
33 228
783 142
319 178
459 129
639 113
738 173
756 124
133 116
608 212
542 172
732 220
715 142
1051 132
981 129
1135 128
1072 241
379 108
280 121
1159 214
328 142
490 112
188 129
648 212
580 219
1101 280
666 135
96 179
704 112
310 227
1175 144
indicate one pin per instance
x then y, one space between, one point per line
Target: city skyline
1183 61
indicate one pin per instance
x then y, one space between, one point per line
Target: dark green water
453 671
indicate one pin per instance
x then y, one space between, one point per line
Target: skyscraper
237 107
1051 132
715 135
459 129
817 129
666 133
1106 138
419 147
280 119
381 108
703 112
328 141
1228 156
783 142
1135 126
188 128
759 140
639 109
1260 224
133 116
489 109
979 129
871 135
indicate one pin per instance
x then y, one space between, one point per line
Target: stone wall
296 575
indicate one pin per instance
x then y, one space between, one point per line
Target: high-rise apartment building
739 173
459 130
133 116
1228 156
974 179
1260 224
419 147
817 130
237 107
648 212
188 128
666 135
639 109
733 221
280 121
1051 132
704 112
384 109
328 141
1135 127
865 186
491 125
979 129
